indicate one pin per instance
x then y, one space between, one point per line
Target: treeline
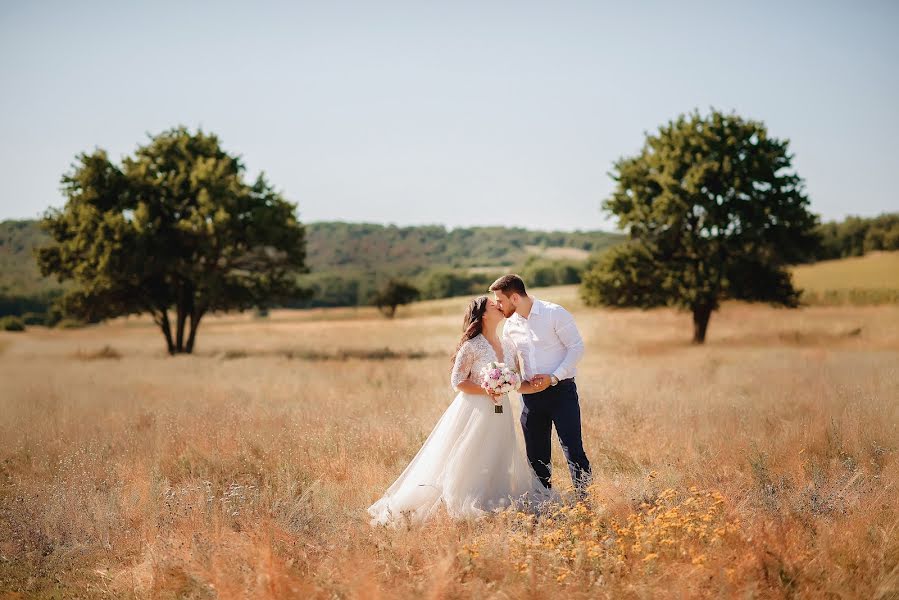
350 263
360 288
19 275
856 236
335 246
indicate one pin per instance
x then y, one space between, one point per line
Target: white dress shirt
547 341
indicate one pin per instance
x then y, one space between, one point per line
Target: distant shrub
68 323
53 316
854 296
447 283
335 289
32 318
394 293
19 304
881 296
11 323
856 236
541 272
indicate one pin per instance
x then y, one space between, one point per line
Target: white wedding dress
472 463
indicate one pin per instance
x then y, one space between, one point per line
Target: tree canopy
713 210
393 294
174 227
854 236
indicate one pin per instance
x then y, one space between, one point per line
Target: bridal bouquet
498 379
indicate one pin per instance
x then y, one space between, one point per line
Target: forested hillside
410 250
856 235
348 261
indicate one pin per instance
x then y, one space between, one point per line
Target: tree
394 293
543 272
854 236
175 227
713 210
446 283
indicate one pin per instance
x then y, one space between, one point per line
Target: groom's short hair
508 285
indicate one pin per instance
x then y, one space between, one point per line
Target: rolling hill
869 279
350 249
348 259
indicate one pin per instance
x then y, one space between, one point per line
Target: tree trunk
194 324
701 315
185 309
179 328
163 322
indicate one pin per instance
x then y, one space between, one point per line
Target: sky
456 113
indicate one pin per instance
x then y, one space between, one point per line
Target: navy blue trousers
556 405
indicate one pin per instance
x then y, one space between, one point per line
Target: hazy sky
460 113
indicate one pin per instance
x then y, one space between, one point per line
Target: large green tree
174 229
713 210
393 294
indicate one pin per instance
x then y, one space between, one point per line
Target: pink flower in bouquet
498 379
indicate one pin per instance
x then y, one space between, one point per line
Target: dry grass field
761 465
875 270
559 253
869 279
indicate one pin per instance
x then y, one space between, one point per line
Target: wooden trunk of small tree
701 316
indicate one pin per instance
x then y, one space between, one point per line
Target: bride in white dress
474 461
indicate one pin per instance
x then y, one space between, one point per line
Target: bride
474 461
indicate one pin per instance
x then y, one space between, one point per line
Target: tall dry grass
869 279
763 464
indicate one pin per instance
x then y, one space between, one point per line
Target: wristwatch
553 380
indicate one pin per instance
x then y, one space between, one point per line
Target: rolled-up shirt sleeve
571 338
516 335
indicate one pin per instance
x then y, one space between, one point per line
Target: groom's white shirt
546 342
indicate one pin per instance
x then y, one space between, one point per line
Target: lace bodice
474 355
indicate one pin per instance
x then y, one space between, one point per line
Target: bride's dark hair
473 323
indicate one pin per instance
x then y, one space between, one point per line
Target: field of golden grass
559 253
763 464
874 270
869 279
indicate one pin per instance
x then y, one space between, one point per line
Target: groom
548 343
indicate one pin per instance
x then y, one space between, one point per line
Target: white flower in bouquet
499 379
